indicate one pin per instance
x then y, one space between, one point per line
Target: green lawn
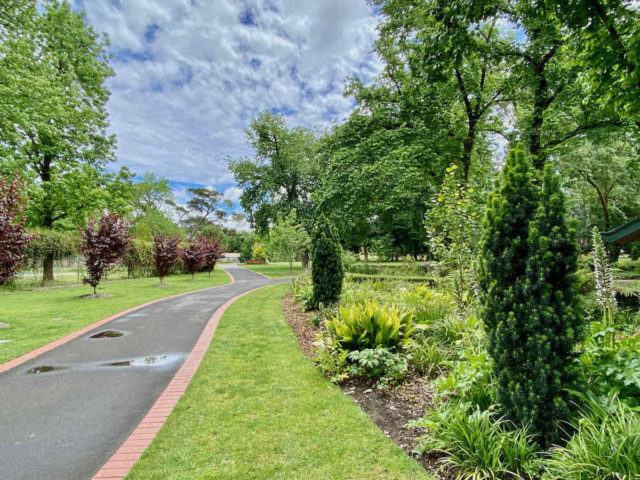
40 316
258 409
275 269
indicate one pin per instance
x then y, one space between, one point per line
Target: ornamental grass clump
370 325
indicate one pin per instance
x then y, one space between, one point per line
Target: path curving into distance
65 424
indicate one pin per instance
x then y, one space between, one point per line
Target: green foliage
480 445
528 258
428 305
287 238
139 258
452 226
612 368
258 252
427 356
152 193
302 291
371 325
605 445
326 269
152 223
283 163
468 380
379 363
51 243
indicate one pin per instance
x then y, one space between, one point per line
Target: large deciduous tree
281 175
53 127
103 245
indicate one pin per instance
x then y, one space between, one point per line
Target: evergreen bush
326 268
527 283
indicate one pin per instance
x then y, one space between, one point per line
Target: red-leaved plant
167 253
12 235
212 251
104 246
192 257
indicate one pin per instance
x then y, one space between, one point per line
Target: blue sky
190 75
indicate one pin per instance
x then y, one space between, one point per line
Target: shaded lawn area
40 316
258 409
275 269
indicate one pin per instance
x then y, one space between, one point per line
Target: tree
103 246
327 273
554 325
192 257
604 177
13 238
212 251
452 226
605 39
204 203
166 253
152 193
53 68
280 177
258 252
527 261
287 238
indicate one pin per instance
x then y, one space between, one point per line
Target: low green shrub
614 368
378 363
605 446
370 325
469 380
479 445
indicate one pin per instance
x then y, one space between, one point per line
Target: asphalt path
66 423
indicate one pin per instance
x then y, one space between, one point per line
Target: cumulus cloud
190 75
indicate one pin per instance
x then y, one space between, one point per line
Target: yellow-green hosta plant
369 325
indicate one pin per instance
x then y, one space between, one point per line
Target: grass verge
275 269
258 409
38 317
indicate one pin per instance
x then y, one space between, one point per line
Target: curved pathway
66 423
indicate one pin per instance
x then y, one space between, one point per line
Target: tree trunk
305 260
47 221
365 251
467 149
47 269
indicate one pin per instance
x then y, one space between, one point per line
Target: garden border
121 463
73 335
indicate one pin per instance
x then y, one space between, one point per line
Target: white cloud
192 73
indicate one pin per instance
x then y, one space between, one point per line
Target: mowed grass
40 316
258 409
275 269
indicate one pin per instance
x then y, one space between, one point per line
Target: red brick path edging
67 338
121 463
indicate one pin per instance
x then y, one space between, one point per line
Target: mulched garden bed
390 409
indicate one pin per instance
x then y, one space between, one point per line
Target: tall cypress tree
528 257
326 268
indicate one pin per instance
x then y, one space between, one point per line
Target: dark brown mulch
390 409
96 295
